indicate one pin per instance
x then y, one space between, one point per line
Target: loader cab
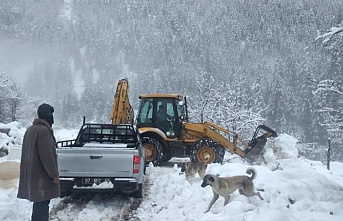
161 111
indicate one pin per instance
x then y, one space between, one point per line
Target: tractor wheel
166 155
153 151
206 150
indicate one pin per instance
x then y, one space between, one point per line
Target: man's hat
45 112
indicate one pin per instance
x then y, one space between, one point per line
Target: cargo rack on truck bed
104 134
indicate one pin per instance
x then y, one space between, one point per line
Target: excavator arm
122 112
236 145
248 151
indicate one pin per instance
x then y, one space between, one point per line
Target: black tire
166 155
65 189
65 193
153 151
138 193
207 148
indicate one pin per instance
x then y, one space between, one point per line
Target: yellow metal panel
176 96
143 130
195 131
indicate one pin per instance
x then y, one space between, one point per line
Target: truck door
167 117
145 113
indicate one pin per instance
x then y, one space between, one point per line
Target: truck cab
165 112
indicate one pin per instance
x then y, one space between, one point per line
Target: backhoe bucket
257 146
257 143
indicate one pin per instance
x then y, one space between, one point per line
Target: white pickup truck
103 157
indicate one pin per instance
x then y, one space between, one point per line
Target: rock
5 130
2 153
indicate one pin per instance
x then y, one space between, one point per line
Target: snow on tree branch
328 86
328 110
327 36
4 79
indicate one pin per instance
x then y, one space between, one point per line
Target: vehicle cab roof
175 96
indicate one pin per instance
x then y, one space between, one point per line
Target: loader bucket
257 143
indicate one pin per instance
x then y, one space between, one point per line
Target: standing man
163 117
39 179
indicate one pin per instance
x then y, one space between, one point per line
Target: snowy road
101 206
85 206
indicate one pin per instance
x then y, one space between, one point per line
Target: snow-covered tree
10 98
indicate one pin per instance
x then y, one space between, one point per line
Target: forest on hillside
240 63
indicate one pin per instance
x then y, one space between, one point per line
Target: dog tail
251 171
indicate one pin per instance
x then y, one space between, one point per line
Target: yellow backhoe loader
162 121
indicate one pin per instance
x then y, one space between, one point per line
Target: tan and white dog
224 186
192 168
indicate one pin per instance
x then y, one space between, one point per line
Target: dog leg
201 173
259 195
214 199
249 193
227 199
190 176
240 192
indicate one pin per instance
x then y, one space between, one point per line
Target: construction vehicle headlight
168 133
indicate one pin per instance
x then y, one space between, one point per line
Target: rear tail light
136 162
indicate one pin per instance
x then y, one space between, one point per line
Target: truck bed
102 157
96 161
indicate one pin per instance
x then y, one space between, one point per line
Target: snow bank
11 143
285 147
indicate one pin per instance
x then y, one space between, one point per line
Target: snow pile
11 142
285 147
4 141
297 190
13 138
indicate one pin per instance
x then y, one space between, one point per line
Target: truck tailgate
95 162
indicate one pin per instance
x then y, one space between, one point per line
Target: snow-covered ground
294 189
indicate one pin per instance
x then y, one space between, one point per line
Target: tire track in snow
103 207
72 205
128 211
90 206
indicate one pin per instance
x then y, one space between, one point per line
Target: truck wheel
64 193
153 151
139 192
65 189
206 150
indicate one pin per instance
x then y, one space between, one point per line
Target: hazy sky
18 60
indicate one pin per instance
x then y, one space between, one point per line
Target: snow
103 185
327 36
294 189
